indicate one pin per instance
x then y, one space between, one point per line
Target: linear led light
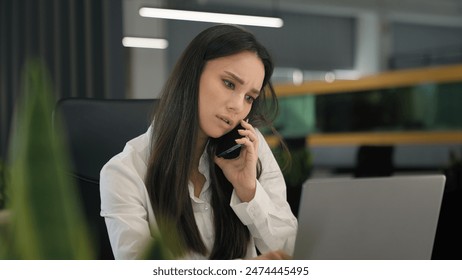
211 17
139 42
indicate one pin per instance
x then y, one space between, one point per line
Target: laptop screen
387 218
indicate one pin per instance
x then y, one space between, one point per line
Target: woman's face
227 88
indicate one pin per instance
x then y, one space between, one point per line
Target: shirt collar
204 170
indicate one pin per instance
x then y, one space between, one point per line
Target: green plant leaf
2 184
167 243
46 215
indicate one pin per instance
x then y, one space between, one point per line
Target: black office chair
96 130
374 161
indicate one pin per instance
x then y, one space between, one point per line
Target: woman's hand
242 171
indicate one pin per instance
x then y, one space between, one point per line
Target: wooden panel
401 78
379 138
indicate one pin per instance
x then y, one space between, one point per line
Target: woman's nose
236 102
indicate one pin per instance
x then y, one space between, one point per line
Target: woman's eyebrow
239 80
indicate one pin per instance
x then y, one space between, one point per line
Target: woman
222 208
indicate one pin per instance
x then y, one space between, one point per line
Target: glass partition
426 107
403 101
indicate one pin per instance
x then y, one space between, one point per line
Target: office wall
316 38
313 42
146 68
419 45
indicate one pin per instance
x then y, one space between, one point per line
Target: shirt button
252 211
206 207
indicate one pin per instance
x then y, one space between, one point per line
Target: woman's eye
249 98
228 84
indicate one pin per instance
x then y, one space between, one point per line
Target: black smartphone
226 145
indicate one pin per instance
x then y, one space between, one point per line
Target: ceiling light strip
140 42
211 17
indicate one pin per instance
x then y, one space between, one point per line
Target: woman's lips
226 120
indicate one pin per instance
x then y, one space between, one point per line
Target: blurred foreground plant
45 218
167 244
2 184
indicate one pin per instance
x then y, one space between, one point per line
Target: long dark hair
173 143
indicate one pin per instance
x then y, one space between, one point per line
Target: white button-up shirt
130 219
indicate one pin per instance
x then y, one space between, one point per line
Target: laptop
386 218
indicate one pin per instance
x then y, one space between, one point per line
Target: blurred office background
81 44
321 43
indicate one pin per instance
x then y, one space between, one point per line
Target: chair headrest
97 129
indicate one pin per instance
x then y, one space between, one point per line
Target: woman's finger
248 134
